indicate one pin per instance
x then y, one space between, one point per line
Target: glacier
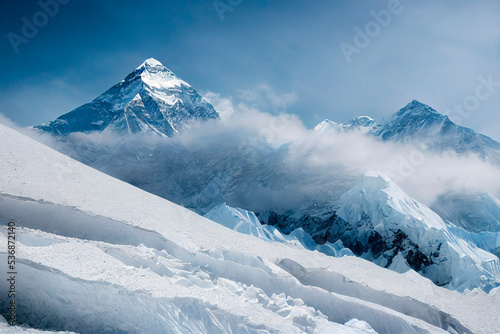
381 222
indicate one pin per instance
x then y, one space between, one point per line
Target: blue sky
281 55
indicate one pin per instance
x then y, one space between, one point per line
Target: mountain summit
151 99
419 123
415 119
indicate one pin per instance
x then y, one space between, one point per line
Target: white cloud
274 128
266 97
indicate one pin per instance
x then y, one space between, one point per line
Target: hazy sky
280 55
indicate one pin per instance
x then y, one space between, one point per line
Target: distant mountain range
418 123
368 213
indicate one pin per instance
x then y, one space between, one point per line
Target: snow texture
109 257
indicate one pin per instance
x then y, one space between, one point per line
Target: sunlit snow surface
99 255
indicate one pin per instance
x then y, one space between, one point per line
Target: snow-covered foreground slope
378 221
99 255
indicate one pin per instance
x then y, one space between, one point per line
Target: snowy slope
110 257
298 200
150 100
363 124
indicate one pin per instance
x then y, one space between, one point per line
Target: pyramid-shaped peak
151 99
150 62
360 121
418 107
417 103
156 76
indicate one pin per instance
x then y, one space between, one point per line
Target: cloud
223 105
265 97
7 121
258 161
423 175
275 129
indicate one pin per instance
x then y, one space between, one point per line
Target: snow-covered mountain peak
150 62
417 107
420 124
325 124
156 76
361 123
415 113
380 187
376 180
150 100
382 221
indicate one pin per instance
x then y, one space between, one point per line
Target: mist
261 161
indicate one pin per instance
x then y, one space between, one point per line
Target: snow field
110 257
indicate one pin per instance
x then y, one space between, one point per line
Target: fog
262 161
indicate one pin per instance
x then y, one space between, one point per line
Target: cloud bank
258 160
